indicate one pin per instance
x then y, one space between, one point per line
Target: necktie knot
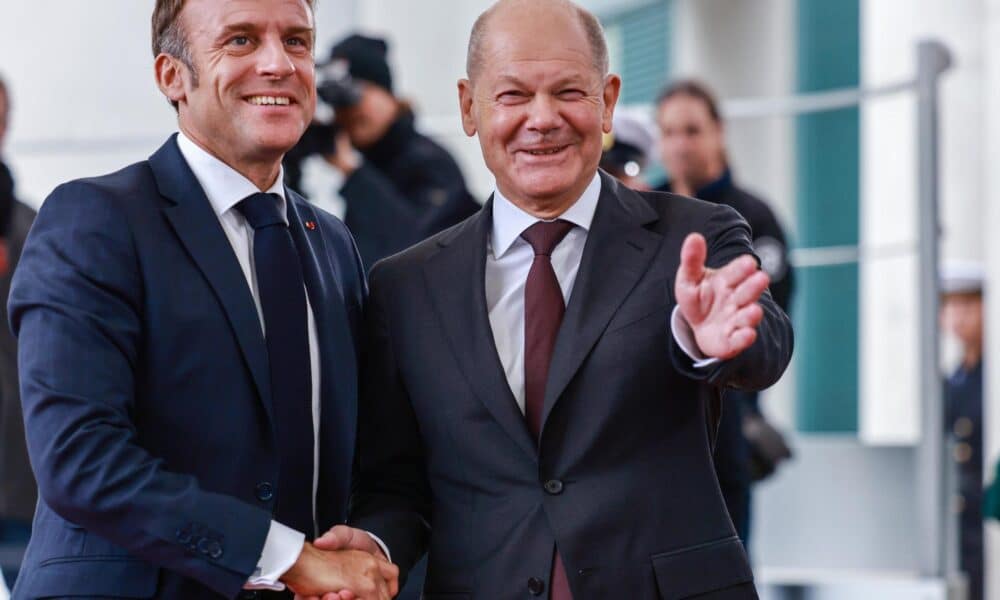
261 210
544 236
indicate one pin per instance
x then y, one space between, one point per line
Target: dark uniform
407 189
964 402
732 453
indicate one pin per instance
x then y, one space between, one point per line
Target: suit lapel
198 228
337 359
618 252
464 318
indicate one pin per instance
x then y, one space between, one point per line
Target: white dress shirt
508 260
225 187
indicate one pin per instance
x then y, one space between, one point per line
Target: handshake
344 564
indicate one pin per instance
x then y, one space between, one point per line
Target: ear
465 106
169 73
612 88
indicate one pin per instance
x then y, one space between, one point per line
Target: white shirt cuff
381 544
684 337
281 549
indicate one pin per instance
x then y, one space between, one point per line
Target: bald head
511 12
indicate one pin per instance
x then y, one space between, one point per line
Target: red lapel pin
310 225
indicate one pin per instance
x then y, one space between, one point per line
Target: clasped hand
720 305
343 564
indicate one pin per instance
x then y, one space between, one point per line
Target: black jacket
769 239
621 479
407 189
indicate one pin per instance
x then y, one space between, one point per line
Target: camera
337 89
335 86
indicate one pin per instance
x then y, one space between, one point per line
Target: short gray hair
591 27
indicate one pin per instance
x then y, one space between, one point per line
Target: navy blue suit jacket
145 386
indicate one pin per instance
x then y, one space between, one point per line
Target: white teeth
269 100
544 152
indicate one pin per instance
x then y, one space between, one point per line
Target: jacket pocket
701 568
91 576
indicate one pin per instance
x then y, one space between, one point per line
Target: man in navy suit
188 341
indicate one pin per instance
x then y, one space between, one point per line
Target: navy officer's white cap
962 277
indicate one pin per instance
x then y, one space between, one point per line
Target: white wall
81 78
890 30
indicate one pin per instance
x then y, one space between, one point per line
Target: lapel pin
311 225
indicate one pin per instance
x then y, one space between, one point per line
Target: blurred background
871 504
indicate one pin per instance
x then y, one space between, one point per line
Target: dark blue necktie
283 302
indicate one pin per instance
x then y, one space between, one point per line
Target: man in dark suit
188 336
545 449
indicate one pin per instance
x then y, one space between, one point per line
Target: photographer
400 187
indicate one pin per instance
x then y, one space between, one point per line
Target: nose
543 114
273 59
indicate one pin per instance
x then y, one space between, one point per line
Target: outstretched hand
720 305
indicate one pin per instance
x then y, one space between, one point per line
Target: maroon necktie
543 312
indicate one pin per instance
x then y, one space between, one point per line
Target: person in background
693 152
18 491
627 150
962 317
400 186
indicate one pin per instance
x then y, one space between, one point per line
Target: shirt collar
223 185
509 221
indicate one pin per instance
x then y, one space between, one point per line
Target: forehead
683 107
528 43
211 16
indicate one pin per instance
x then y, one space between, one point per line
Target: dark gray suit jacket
622 478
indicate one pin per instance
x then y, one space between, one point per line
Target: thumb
336 538
693 254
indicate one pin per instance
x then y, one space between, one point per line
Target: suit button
536 586
183 536
264 491
202 546
214 550
554 487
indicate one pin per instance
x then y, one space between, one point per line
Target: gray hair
591 27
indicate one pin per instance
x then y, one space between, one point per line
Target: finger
390 572
741 339
336 538
748 316
750 289
343 595
693 254
737 270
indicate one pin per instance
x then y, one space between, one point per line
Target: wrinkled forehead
213 16
530 54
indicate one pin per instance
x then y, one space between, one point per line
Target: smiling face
539 105
253 92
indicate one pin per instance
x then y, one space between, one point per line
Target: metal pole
931 498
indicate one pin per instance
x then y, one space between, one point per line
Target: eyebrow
569 80
247 27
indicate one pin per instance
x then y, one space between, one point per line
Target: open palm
720 305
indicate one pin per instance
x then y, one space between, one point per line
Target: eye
240 40
571 94
297 41
511 97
